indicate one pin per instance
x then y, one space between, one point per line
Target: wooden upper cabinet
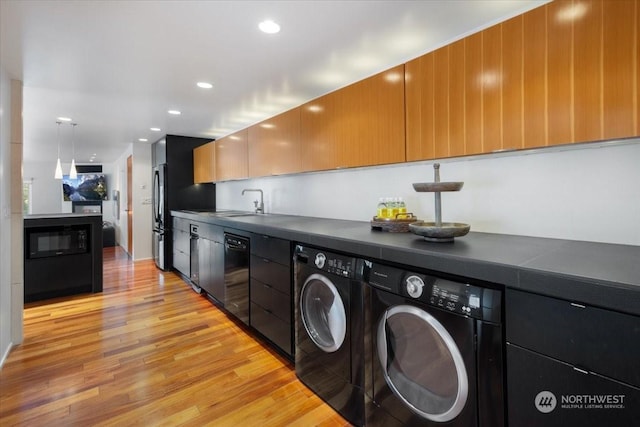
231 156
566 72
274 145
359 125
204 163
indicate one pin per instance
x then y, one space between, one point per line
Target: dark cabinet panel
181 246
267 271
546 392
270 285
273 248
272 327
598 340
272 300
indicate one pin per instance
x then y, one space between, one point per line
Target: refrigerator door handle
156 196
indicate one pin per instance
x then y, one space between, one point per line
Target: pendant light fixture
58 174
73 174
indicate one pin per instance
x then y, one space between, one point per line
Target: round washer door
421 363
323 313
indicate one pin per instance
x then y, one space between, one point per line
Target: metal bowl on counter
443 232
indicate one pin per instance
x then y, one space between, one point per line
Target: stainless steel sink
227 214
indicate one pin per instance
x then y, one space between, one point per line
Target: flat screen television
86 187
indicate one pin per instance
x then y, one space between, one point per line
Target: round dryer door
421 363
323 313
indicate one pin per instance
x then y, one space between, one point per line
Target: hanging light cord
59 123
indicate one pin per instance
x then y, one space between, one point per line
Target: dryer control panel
458 297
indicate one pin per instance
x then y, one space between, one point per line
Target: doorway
129 209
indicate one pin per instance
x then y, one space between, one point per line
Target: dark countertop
60 215
598 274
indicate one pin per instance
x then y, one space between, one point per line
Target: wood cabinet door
204 162
359 125
274 145
562 73
231 156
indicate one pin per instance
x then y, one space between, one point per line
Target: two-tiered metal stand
438 231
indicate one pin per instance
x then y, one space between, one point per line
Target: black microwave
54 241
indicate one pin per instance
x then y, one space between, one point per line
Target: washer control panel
328 262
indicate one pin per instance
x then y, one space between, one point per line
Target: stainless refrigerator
173 189
159 211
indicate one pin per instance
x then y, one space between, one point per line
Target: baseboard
5 355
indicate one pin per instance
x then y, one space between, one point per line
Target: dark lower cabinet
543 391
211 260
569 364
181 247
271 290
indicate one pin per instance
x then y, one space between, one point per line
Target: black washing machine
328 328
435 350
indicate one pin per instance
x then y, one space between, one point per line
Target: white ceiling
116 67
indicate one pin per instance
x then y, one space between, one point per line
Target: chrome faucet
259 206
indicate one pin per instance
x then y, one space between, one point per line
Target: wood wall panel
359 125
441 102
559 72
492 89
419 108
473 94
512 83
587 72
619 74
535 78
274 145
232 156
456 99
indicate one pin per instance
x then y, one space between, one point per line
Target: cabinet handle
578 305
266 261
266 286
582 371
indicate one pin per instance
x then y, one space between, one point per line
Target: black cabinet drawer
181 241
546 392
271 273
181 262
273 328
272 300
180 224
273 248
597 340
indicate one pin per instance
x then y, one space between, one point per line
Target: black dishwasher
236 276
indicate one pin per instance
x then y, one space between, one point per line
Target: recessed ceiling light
174 112
204 85
155 129
64 119
142 139
269 27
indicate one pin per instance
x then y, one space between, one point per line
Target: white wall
11 226
141 198
142 226
581 192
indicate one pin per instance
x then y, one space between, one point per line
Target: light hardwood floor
148 351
